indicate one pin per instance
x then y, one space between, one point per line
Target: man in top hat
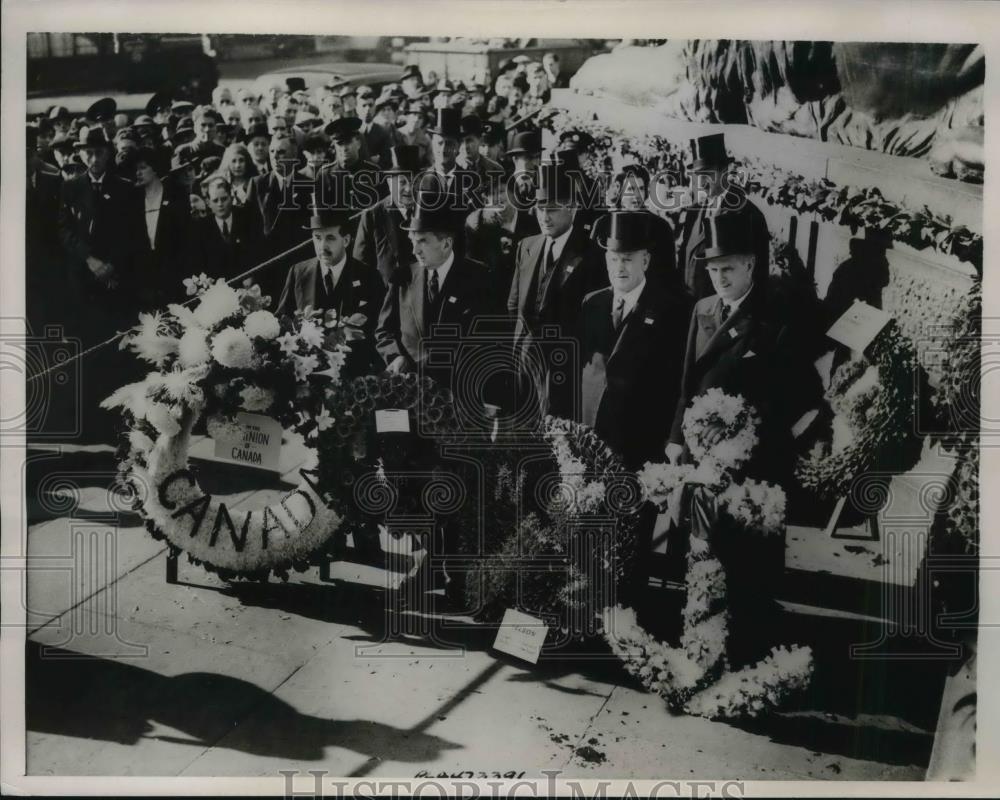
470 158
226 242
440 287
333 280
381 242
632 337
713 192
350 180
375 141
445 175
103 113
411 81
554 271
101 228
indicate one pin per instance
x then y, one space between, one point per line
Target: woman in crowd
238 168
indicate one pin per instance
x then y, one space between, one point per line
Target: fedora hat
184 156
555 184
434 212
58 113
525 143
343 129
405 159
92 137
709 151
727 234
327 218
627 231
448 123
103 110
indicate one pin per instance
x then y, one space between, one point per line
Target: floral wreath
694 676
223 355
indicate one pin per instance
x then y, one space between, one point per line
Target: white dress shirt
336 270
735 304
631 298
228 221
154 201
556 245
442 271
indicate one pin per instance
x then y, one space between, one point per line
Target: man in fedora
333 280
101 225
524 152
382 243
445 175
632 337
470 158
440 288
713 192
350 180
554 271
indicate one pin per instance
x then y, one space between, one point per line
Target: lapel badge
648 320
452 300
734 333
107 197
355 283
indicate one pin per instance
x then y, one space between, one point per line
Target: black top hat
525 143
104 109
709 151
295 84
256 130
555 184
727 234
448 123
59 112
343 129
411 71
627 231
93 137
436 212
160 101
472 125
405 158
327 218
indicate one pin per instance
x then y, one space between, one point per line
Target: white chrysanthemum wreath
694 677
218 355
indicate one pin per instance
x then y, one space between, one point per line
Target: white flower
263 324
139 442
219 302
184 315
256 398
196 283
289 343
132 397
233 348
193 347
311 333
161 416
220 427
324 420
304 366
152 341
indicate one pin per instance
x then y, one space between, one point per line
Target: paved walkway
130 675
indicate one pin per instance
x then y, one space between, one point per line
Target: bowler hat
103 110
59 112
627 231
327 218
434 211
295 84
727 234
525 143
448 123
343 129
472 125
257 130
709 151
555 184
92 137
405 158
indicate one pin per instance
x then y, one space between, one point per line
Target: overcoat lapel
415 295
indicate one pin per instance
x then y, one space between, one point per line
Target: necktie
225 231
328 282
432 287
725 313
618 313
543 284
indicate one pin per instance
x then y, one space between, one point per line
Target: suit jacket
359 290
357 187
488 240
109 226
208 252
41 211
490 172
279 216
165 268
578 272
756 354
380 243
691 244
375 144
404 325
631 379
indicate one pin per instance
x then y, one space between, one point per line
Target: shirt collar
227 220
336 269
631 297
442 271
559 243
735 304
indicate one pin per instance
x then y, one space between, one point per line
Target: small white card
255 443
858 326
521 635
392 420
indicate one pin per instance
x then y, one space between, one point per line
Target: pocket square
749 354
363 303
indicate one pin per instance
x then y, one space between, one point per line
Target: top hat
59 112
92 137
448 123
327 218
411 71
525 143
436 212
103 110
295 84
727 234
343 129
472 125
627 231
709 151
405 159
160 101
555 184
